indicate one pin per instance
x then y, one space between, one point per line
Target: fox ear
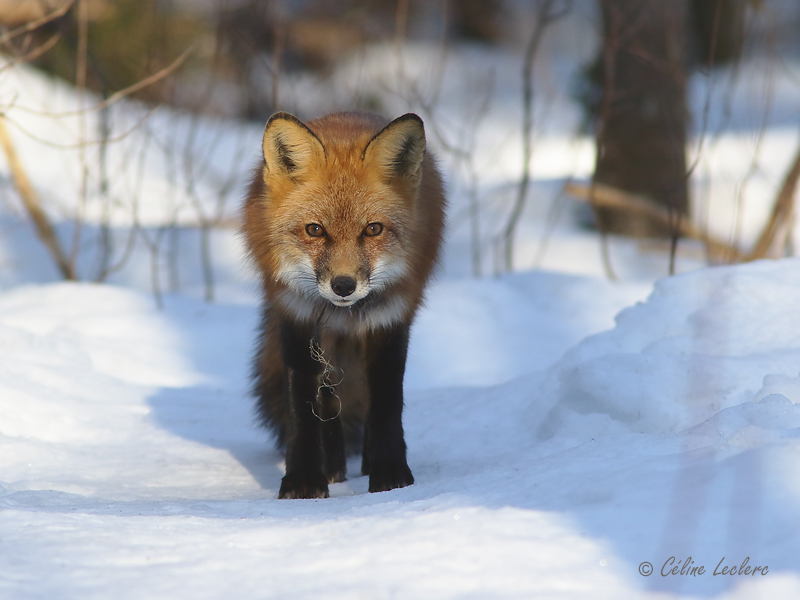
290 147
398 149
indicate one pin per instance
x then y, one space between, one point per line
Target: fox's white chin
344 302
361 292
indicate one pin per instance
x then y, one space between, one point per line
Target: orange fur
343 185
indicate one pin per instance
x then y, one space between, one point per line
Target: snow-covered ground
567 433
131 466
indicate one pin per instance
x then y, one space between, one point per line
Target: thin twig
80 85
85 143
33 54
35 24
704 127
118 95
544 17
613 38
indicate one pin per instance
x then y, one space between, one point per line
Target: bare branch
544 17
80 85
149 80
84 143
120 94
33 54
33 25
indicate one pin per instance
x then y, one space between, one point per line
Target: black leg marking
386 448
365 451
304 454
333 445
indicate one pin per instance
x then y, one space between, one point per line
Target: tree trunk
719 31
641 136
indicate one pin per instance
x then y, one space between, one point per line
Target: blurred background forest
618 137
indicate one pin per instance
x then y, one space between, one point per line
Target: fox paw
387 475
338 477
336 470
304 485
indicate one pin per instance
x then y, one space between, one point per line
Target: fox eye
373 229
315 230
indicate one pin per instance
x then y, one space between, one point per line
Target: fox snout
343 285
343 290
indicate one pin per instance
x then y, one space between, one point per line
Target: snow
563 429
131 461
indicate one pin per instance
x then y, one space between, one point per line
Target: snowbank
703 342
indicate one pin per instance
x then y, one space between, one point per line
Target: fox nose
343 285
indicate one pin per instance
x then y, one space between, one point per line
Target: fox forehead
341 200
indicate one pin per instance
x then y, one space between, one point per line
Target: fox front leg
304 477
384 457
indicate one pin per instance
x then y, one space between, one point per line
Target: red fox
343 220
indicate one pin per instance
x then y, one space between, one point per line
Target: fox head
340 204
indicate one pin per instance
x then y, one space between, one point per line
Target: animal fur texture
344 221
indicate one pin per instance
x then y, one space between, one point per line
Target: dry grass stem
606 196
33 205
779 224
